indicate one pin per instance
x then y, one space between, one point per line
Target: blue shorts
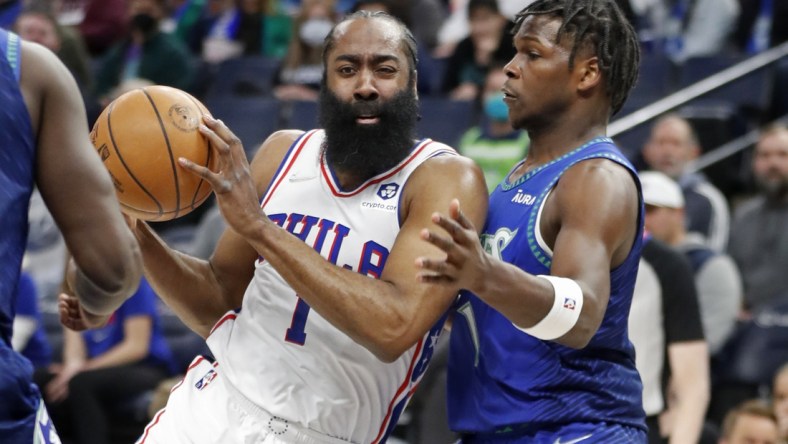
581 433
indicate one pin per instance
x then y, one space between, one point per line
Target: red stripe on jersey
228 316
401 389
150 426
270 192
339 193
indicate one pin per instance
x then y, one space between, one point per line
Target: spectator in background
302 68
455 27
38 24
665 323
105 366
228 29
422 17
146 53
780 400
759 235
494 145
28 336
103 24
44 252
716 277
762 24
753 422
684 29
489 40
670 148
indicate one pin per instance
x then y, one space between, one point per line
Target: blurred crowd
709 318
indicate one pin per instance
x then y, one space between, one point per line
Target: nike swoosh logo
573 441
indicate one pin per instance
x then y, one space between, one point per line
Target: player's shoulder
39 64
269 156
276 145
445 162
599 176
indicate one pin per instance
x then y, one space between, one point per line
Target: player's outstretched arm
75 186
386 315
589 220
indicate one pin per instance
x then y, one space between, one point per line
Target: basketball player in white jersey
309 302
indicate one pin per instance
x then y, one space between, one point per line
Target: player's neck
581 122
548 145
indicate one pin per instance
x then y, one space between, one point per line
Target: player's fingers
457 214
436 267
224 133
451 226
214 179
221 145
427 278
444 243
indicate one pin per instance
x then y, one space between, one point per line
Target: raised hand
236 193
465 261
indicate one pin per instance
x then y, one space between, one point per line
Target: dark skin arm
388 315
589 221
76 187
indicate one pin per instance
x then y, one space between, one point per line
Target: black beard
368 150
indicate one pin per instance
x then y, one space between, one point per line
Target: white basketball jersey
285 357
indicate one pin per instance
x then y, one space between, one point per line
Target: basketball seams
169 153
196 201
143 178
123 162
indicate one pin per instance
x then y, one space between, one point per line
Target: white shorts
204 408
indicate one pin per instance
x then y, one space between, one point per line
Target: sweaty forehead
367 37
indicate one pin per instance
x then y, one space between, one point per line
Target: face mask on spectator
314 31
495 108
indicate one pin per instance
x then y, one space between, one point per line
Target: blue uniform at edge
505 385
19 397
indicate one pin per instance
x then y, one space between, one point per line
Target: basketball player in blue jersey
539 347
44 142
308 303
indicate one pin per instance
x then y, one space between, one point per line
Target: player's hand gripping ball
140 136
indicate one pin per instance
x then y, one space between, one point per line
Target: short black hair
408 41
601 25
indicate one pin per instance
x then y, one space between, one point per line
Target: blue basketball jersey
18 395
505 383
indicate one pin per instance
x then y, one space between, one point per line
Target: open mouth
367 120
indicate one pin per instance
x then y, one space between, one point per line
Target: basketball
140 136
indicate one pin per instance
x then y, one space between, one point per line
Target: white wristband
567 305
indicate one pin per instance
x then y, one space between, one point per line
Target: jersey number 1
296 333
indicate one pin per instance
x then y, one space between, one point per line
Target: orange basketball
140 137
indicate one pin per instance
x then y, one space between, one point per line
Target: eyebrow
376 59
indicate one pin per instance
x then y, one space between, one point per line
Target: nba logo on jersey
388 190
569 303
205 380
